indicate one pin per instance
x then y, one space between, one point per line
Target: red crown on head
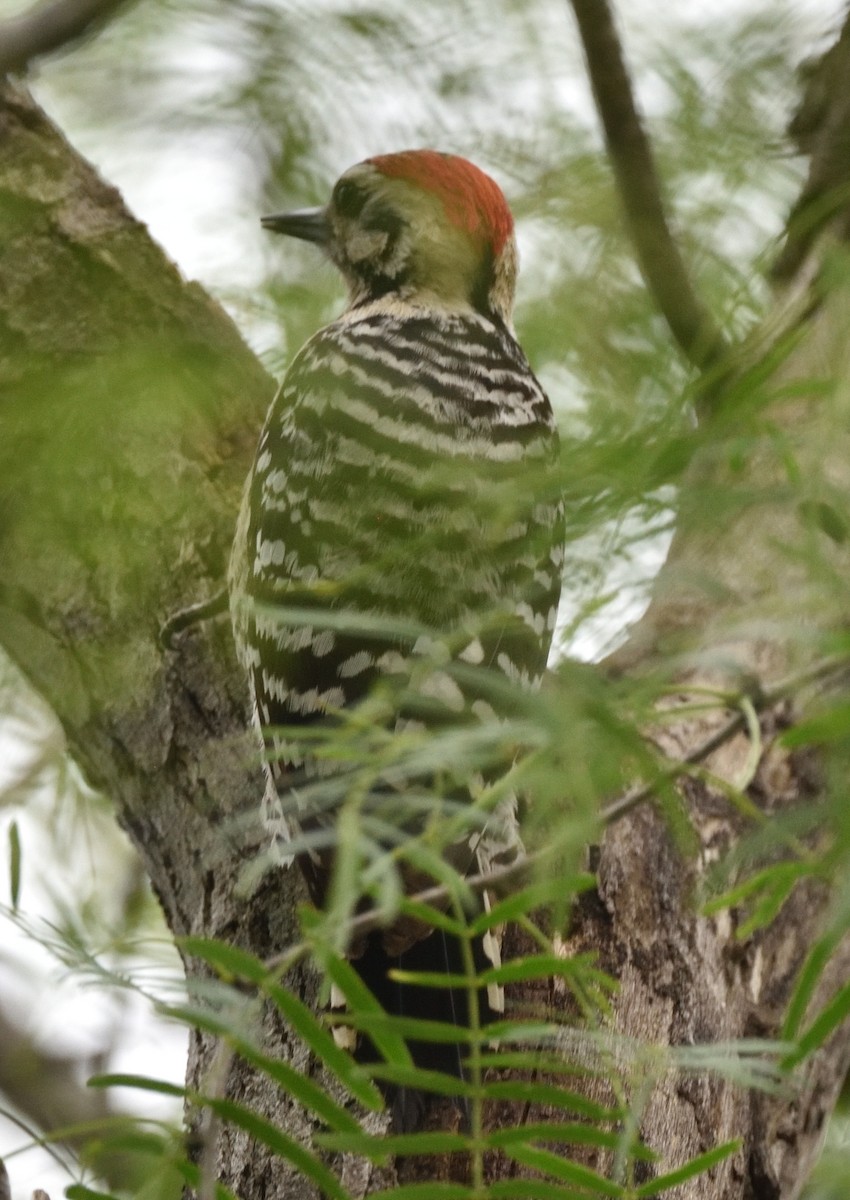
473 201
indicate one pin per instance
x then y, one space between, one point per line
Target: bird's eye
348 198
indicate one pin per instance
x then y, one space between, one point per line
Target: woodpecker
405 471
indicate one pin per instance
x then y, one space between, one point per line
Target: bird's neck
414 303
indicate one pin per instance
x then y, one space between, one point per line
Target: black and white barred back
398 475
399 553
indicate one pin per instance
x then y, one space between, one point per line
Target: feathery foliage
625 404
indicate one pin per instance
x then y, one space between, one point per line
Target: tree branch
821 127
692 326
49 26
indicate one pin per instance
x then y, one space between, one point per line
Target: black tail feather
441 953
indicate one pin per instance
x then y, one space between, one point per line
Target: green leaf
570 1133
313 1097
773 885
532 1189
363 1004
828 1019
321 1042
520 903
281 1144
135 1140
409 1145
533 1059
435 917
517 904
697 1166
308 1093
563 1169
736 894
434 1190
435 979
524 1032
830 726
748 1063
549 1094
163 1178
140 1082
14 864
410 1028
239 964
422 1079
78 1191
347 620
545 966
228 961
810 973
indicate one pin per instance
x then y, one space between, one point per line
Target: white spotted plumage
405 472
345 448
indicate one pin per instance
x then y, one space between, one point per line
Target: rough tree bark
130 409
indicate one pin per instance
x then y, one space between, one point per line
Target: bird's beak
309 224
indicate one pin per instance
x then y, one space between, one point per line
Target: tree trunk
130 413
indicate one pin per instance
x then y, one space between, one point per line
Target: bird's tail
439 953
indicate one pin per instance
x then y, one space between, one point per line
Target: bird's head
420 226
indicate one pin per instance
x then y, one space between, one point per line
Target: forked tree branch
639 187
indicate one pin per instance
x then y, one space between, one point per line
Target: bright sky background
191 193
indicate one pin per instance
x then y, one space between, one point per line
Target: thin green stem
476 1116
